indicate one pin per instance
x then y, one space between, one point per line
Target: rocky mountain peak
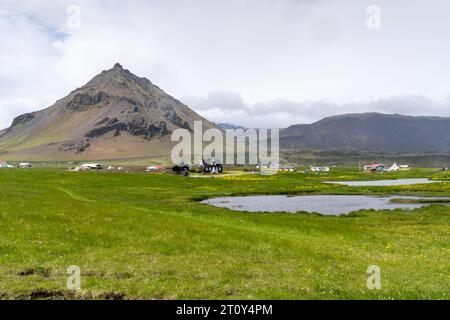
120 81
118 66
114 108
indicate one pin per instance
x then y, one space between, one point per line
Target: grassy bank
143 236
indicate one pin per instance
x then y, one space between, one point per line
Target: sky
255 63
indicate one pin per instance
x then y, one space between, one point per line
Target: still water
326 205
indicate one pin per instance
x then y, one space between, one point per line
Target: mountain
371 132
116 115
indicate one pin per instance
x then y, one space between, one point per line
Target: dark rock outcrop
83 101
27 117
137 127
77 147
171 115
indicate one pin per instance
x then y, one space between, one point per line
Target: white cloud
228 107
265 50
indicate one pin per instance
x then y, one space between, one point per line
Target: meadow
146 236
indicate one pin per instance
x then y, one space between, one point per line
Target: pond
332 205
383 183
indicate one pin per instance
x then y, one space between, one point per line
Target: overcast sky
257 63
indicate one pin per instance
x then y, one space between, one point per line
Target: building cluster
378 167
23 165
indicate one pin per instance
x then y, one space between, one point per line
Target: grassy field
146 237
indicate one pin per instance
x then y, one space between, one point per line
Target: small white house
25 165
395 167
320 169
91 166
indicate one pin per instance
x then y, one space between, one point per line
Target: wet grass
422 201
143 236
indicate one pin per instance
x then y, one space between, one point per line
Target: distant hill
117 115
372 132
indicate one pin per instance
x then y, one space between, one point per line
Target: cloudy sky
257 63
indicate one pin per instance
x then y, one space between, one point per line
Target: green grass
145 236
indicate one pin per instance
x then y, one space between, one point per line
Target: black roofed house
182 169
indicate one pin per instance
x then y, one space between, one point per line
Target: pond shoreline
328 205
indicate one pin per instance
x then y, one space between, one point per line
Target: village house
25 165
182 169
287 169
5 165
91 166
395 167
153 169
375 167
